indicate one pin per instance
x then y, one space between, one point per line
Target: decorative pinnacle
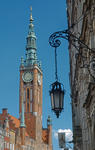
49 120
22 123
31 18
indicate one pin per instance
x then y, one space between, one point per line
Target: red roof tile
15 121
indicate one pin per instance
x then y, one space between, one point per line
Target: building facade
81 22
26 132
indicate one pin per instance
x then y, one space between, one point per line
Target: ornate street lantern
57 90
57 97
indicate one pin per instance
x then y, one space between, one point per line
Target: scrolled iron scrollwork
55 38
55 41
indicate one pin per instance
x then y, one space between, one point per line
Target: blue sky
49 16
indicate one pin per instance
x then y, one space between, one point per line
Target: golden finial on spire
31 19
31 8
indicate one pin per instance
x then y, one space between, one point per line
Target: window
7 145
24 95
38 96
27 93
11 146
31 107
24 107
31 95
28 100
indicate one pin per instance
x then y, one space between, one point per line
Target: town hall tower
31 84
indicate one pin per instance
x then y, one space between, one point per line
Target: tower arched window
24 95
28 93
31 100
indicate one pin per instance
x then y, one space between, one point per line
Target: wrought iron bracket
55 41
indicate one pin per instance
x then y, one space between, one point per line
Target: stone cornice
27 68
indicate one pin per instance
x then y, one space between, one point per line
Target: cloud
68 134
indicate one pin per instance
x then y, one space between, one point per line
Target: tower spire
31 56
31 49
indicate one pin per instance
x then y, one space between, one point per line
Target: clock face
27 77
39 79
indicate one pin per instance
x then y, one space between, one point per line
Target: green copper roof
31 49
31 56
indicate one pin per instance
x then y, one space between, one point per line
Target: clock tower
31 86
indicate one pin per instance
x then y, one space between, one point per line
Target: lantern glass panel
61 99
52 100
56 99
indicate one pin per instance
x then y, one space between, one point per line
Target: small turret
22 61
49 124
22 122
49 121
22 126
